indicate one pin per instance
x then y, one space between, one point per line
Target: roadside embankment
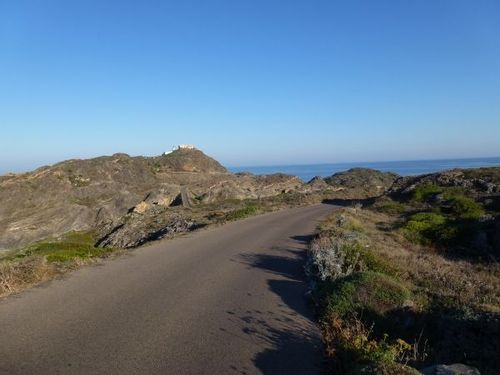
389 301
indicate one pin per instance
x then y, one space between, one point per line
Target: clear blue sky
249 82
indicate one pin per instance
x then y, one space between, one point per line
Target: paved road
227 300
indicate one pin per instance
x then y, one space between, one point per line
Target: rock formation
81 195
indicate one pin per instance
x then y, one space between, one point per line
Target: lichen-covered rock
136 229
455 369
478 181
385 369
363 182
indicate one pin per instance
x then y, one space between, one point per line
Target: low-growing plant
452 192
342 249
72 246
364 291
351 342
391 207
79 180
16 275
454 298
425 191
426 226
367 260
242 213
44 260
465 208
329 259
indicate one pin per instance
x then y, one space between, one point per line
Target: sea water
403 168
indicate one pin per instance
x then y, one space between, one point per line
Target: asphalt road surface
226 300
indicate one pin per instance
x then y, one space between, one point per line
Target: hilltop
188 160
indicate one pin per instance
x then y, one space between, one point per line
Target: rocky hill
81 195
362 182
188 160
126 201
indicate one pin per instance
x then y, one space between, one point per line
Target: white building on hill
185 147
180 147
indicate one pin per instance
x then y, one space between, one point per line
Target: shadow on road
293 345
348 202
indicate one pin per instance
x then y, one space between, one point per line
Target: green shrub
423 221
425 225
352 343
72 246
367 259
242 213
452 192
362 295
365 291
332 256
391 207
465 208
425 191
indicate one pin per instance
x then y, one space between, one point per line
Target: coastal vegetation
411 279
45 260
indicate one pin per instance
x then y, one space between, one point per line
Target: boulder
455 369
142 207
385 369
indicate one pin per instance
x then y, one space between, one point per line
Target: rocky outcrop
318 183
398 369
362 182
385 369
135 229
480 181
246 185
455 369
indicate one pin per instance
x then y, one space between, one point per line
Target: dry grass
452 314
467 283
18 275
44 261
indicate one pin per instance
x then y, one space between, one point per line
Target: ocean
403 168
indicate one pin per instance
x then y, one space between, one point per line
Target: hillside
126 201
94 194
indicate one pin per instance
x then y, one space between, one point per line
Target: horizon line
355 162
